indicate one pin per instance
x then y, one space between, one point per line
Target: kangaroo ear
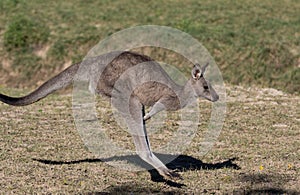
196 71
204 67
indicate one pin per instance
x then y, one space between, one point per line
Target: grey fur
138 81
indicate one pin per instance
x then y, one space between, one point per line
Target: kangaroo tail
61 80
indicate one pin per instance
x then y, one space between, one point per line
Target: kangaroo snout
215 98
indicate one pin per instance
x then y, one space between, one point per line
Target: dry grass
257 151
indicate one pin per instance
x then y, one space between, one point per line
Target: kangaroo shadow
179 163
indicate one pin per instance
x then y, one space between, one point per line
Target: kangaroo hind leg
140 138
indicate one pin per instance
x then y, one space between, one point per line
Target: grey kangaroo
157 95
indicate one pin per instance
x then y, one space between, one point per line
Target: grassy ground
253 42
257 151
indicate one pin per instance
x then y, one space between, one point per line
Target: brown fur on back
116 68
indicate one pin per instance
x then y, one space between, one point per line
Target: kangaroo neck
187 94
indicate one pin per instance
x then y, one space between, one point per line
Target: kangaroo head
201 86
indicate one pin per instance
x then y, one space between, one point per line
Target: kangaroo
157 95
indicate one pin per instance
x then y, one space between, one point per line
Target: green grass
253 42
23 33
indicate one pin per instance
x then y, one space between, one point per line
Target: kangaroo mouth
216 98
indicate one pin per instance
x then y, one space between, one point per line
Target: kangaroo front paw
146 117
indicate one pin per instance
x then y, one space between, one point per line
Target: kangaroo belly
152 92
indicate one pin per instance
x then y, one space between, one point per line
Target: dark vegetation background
253 42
